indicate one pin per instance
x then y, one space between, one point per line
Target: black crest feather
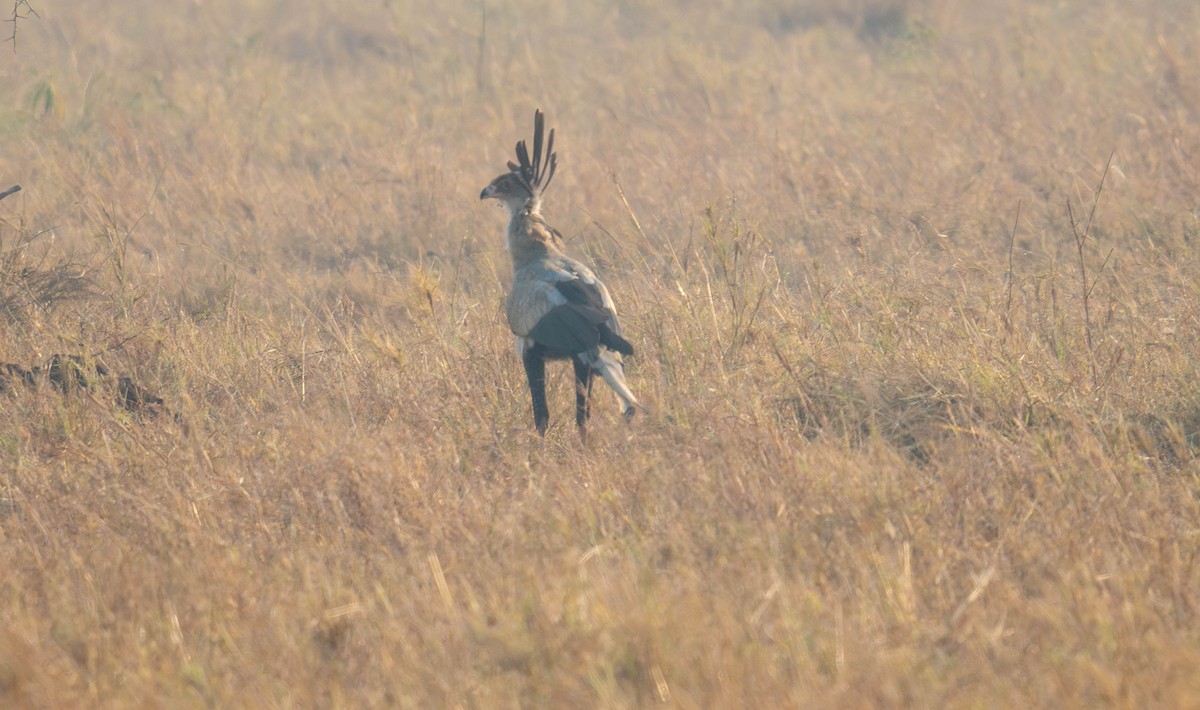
536 173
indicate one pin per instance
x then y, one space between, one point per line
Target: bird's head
526 179
510 190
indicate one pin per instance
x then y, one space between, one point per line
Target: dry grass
880 463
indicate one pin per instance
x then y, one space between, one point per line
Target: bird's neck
522 205
526 242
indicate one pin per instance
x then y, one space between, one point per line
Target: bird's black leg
535 370
583 392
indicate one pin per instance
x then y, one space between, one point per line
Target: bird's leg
583 392
535 370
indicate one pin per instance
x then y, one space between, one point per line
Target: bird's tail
609 366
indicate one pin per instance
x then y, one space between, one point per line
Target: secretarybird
557 307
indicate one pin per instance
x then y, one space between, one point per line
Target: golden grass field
891 456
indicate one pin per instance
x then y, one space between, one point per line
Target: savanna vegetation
913 286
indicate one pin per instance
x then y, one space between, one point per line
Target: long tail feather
610 369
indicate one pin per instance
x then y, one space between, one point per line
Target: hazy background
922 413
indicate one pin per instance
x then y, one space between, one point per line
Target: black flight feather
581 294
565 331
612 341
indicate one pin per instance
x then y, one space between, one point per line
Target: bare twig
9 191
17 15
632 217
1084 285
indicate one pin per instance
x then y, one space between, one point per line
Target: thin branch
1080 240
633 217
16 15
1085 286
10 191
1100 271
1096 199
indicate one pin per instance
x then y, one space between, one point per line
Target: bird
557 308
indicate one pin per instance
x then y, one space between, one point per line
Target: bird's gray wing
560 304
534 294
589 292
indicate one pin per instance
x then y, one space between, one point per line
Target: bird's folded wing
567 330
585 288
563 306
533 295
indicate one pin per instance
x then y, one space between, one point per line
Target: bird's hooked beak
487 192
